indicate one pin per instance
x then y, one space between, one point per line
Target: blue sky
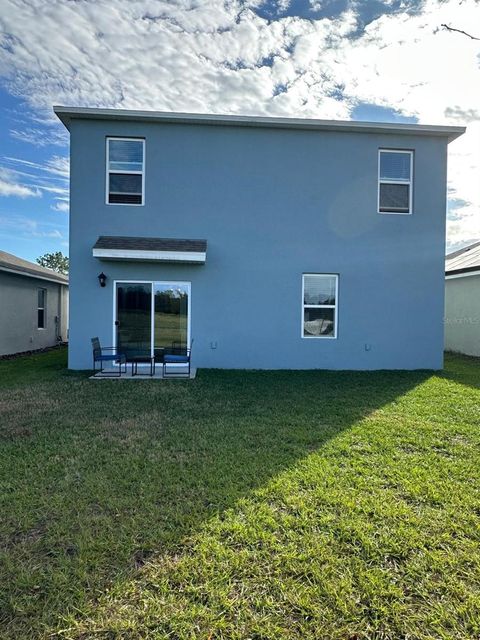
34 200
349 59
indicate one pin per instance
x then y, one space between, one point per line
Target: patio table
142 359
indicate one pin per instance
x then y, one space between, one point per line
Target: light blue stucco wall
272 204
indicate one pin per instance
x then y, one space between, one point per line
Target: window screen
395 181
125 171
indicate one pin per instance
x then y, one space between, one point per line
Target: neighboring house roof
14 264
464 260
66 114
150 249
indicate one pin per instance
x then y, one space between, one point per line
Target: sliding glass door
171 316
152 317
134 318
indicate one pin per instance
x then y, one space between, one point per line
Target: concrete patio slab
144 376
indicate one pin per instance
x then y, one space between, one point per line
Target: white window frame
320 306
136 173
44 308
404 182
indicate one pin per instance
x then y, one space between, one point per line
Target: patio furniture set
175 361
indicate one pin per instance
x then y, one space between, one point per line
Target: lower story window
319 305
41 308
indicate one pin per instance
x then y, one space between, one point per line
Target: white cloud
62 191
61 205
49 177
18 190
283 5
220 56
55 233
41 137
56 165
59 166
10 186
183 56
28 228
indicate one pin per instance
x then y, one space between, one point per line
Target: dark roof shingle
463 260
150 244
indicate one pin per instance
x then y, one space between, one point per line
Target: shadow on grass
95 478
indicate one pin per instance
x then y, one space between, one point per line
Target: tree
464 33
55 261
447 27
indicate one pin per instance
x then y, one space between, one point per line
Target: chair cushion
111 356
173 358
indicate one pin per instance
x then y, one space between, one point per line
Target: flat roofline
67 114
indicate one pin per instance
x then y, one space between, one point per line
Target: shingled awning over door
150 249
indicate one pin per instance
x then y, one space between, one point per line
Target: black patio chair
107 354
177 355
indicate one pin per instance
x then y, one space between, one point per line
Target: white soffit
142 255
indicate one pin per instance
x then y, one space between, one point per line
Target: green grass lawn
240 505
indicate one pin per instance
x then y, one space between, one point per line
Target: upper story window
395 170
125 171
319 305
41 308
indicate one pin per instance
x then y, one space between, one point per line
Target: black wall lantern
102 278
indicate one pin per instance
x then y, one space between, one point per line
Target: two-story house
273 242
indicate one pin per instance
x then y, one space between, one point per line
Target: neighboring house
273 242
33 306
462 300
